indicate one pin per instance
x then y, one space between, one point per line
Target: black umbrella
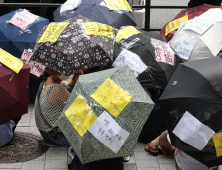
195 87
74 50
157 73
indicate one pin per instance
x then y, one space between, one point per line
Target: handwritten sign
132 60
53 32
173 25
217 138
199 25
118 5
183 47
126 32
23 19
191 131
163 51
36 68
95 28
112 97
69 5
108 132
10 61
80 115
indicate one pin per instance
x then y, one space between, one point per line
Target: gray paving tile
21 129
167 166
129 166
11 166
33 165
139 147
34 130
152 163
164 159
56 155
40 158
147 168
56 164
143 155
27 114
32 122
131 161
57 149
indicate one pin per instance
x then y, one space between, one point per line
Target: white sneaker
126 158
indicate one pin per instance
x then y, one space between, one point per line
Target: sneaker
71 152
126 158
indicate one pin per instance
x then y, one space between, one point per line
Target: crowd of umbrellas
182 61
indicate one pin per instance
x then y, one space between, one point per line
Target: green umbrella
82 109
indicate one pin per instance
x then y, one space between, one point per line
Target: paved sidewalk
57 158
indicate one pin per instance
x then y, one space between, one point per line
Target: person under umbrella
98 11
169 30
50 100
192 106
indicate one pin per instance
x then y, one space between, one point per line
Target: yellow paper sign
118 5
112 97
53 31
218 143
10 61
126 32
80 115
95 28
173 25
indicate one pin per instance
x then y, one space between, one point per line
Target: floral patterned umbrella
75 49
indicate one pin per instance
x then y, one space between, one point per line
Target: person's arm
74 79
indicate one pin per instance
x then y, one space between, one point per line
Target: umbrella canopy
199 38
74 50
14 40
79 129
97 10
155 73
190 13
195 87
14 92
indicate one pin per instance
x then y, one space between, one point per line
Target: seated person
50 101
6 132
182 160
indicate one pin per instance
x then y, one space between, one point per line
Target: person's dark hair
47 73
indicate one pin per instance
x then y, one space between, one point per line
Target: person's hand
75 78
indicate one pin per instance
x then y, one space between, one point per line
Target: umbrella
14 40
195 87
74 50
199 38
97 10
151 73
190 13
117 87
14 92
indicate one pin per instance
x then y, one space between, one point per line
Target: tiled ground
56 158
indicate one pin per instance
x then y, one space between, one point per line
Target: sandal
154 152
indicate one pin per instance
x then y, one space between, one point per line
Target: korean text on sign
95 28
118 5
173 25
126 32
131 59
80 115
53 32
10 61
163 51
107 131
23 19
112 97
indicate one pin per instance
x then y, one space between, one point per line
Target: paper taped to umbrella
150 58
75 51
69 5
121 107
126 32
200 37
118 5
217 138
195 87
10 61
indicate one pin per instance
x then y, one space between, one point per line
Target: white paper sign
131 59
193 132
199 25
183 47
107 131
69 5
